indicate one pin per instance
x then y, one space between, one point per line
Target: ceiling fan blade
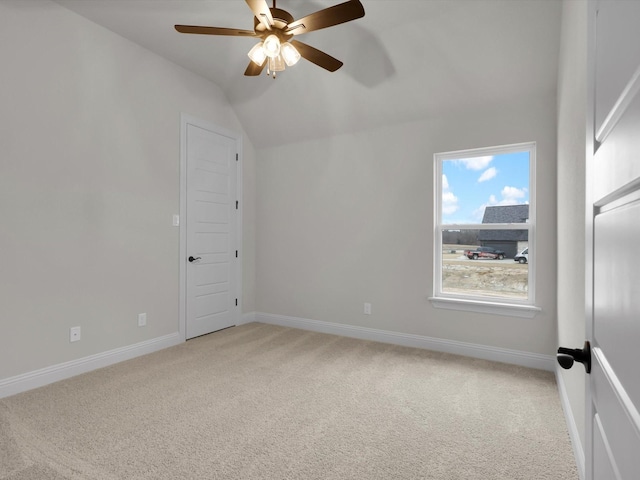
341 13
261 11
316 56
254 70
234 32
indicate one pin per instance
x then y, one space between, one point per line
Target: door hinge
236 157
236 253
236 302
236 204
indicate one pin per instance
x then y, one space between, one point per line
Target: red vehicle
484 252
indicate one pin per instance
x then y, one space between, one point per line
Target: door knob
193 259
566 356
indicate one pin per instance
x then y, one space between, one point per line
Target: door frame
185 120
589 231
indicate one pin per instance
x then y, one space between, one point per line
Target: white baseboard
578 449
515 357
45 376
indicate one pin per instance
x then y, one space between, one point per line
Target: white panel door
211 290
613 224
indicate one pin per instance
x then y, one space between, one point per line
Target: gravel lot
489 277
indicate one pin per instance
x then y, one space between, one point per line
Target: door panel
212 273
614 209
603 466
211 289
211 304
619 431
616 164
616 323
616 56
210 243
211 212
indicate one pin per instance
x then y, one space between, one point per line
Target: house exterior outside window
484 219
511 242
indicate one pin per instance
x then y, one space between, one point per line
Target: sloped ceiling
404 60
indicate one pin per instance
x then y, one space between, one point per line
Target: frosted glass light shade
276 64
271 46
257 54
290 54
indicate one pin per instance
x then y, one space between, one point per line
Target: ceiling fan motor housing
281 19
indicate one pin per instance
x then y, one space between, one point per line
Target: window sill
480 306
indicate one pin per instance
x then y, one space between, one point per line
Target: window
484 230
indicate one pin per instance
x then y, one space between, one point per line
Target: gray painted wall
349 219
572 131
89 181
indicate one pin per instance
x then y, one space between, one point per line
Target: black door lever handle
193 259
566 356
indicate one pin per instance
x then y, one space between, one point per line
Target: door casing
186 120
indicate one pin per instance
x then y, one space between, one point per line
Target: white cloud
512 195
449 200
476 163
449 203
488 174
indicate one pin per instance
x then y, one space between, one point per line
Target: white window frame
496 305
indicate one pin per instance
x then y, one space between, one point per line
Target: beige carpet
266 402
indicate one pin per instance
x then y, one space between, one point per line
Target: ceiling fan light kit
276 64
276 28
290 54
257 54
271 46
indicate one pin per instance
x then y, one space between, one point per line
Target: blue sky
471 184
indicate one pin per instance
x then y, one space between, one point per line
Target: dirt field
482 277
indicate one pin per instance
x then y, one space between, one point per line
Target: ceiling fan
275 28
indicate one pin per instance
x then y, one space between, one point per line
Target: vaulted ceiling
404 60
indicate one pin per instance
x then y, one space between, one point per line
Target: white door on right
613 224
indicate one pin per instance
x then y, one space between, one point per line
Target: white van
523 256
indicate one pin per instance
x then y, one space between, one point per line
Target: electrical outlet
142 319
367 309
74 334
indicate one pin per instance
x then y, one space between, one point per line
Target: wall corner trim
515 357
578 449
44 376
248 317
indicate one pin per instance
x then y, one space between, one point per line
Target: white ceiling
404 60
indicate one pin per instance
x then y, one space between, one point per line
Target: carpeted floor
266 402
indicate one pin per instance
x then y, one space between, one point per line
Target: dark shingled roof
505 214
